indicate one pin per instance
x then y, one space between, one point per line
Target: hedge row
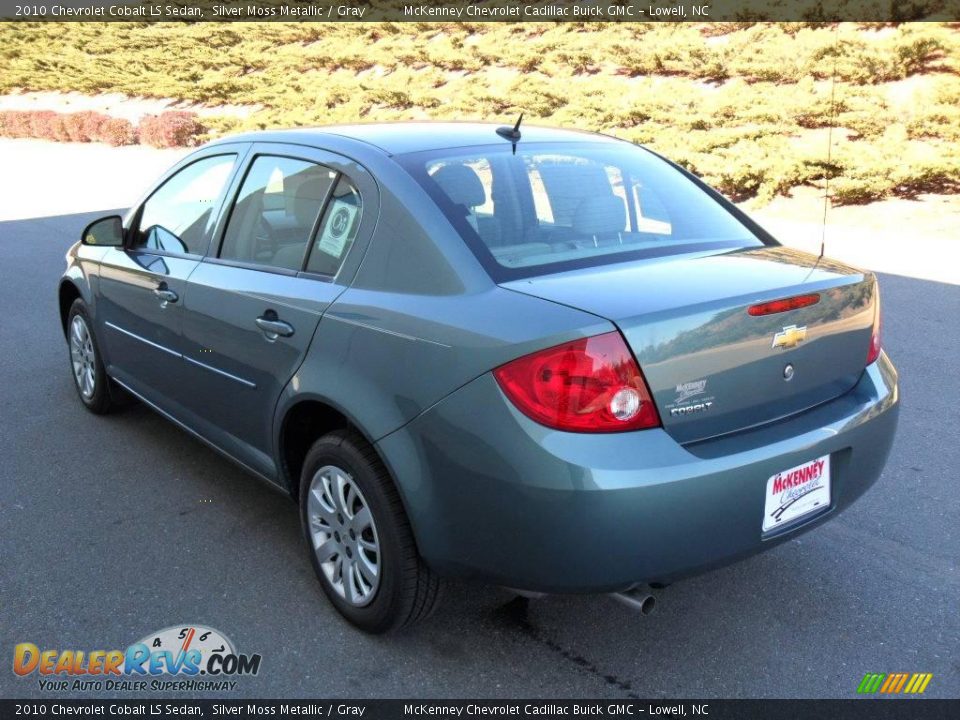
747 106
174 128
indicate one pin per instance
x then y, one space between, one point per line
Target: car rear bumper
493 495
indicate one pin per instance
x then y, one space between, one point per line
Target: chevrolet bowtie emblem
789 337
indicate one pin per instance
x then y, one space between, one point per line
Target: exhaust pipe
528 594
638 599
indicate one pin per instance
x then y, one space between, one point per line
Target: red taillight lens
874 352
779 306
588 385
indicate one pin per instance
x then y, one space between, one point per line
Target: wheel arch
304 421
67 293
301 424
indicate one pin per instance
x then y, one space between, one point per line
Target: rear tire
89 376
359 538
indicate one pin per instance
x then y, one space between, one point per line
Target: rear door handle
165 294
273 327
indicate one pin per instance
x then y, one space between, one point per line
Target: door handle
273 327
165 294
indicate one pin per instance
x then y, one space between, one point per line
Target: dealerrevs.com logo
181 657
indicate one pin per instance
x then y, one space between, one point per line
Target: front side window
551 207
276 212
177 218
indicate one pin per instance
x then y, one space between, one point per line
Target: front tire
360 541
89 376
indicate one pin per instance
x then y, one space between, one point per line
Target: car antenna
826 185
511 133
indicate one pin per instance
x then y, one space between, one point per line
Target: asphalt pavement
114 527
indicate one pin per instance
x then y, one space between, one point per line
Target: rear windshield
547 208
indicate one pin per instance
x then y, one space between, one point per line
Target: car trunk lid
712 367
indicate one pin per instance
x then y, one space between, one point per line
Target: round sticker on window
337 228
340 222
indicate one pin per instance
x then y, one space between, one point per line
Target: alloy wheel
344 535
83 357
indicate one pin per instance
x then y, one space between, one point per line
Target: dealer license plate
796 492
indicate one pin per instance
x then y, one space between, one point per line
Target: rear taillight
588 385
874 352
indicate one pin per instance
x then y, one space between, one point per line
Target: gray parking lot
113 527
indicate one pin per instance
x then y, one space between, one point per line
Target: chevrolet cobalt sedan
550 360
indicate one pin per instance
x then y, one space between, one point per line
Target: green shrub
745 104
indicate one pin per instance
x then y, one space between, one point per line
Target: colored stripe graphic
870 683
923 679
894 683
897 684
890 683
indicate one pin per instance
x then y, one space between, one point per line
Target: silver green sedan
550 360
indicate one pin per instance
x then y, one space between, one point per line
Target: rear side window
552 207
338 229
276 212
178 217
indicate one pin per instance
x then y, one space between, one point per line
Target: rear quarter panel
383 358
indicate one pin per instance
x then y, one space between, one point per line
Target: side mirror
105 232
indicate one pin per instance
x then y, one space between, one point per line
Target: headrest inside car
599 214
307 200
461 184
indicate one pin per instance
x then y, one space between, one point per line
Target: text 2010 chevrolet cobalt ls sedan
550 360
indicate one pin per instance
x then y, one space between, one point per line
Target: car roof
396 138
